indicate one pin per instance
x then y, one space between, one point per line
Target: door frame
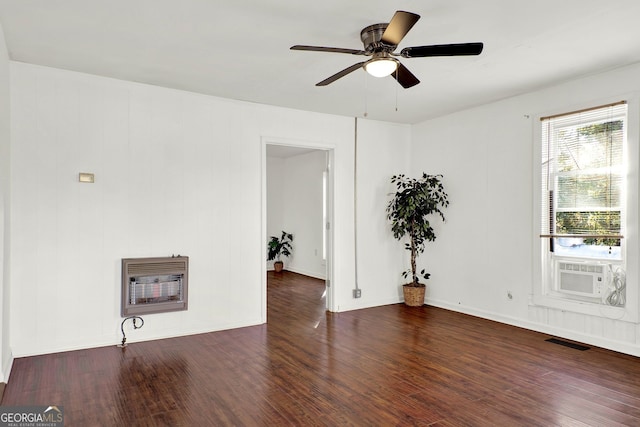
329 227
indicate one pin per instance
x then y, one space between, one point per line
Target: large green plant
277 247
414 201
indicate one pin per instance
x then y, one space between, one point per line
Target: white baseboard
115 339
6 369
622 347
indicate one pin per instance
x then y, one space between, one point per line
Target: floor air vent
154 285
568 344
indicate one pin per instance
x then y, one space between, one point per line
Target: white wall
383 151
176 173
302 212
487 246
275 197
5 350
294 204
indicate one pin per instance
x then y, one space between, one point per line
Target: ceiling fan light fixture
381 67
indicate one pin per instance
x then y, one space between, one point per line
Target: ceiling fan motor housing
371 37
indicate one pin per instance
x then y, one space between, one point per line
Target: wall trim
315 275
6 370
113 340
622 347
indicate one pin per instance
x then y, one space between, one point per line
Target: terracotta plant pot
413 295
278 266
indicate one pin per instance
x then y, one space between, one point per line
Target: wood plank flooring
384 366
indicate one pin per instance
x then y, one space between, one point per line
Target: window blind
582 182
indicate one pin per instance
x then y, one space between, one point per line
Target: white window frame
542 292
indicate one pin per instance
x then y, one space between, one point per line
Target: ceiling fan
380 42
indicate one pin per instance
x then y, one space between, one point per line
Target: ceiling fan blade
399 26
442 50
328 49
340 74
405 77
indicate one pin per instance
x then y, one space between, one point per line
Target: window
583 173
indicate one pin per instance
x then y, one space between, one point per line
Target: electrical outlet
357 293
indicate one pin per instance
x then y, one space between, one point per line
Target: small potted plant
278 247
414 201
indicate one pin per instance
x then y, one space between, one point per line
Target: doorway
297 197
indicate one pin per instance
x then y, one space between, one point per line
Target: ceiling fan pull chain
396 86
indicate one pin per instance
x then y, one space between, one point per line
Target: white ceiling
240 49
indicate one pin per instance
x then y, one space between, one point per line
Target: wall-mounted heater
154 285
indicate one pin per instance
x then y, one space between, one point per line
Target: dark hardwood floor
385 366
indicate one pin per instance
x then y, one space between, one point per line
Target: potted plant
415 200
278 247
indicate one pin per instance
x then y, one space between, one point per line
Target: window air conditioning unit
582 278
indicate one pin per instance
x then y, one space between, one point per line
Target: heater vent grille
157 267
154 285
